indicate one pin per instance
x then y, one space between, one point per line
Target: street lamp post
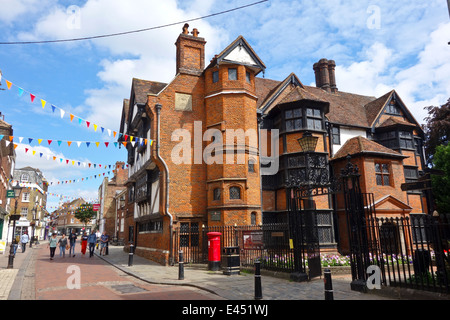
17 191
33 226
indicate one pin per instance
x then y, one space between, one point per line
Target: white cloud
147 55
366 77
423 83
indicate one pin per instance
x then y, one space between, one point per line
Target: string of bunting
62 112
31 152
69 143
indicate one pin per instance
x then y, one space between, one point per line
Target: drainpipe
166 169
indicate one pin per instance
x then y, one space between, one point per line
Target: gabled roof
248 57
391 204
375 107
275 95
362 146
141 88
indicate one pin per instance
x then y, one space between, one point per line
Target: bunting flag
21 91
78 143
29 151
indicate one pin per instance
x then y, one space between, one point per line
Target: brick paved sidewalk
235 287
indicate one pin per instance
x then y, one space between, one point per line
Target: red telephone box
214 250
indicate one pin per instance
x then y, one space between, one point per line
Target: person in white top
24 240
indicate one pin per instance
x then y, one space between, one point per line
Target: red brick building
178 180
107 193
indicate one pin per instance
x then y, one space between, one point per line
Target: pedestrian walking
84 239
103 242
52 243
92 240
72 240
24 240
63 245
16 243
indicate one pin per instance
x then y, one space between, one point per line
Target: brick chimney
190 52
325 75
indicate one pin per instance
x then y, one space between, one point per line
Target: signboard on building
253 239
10 194
96 206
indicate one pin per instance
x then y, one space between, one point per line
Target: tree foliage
437 129
441 183
85 213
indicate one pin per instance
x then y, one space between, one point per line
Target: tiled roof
394 121
141 88
374 107
361 145
345 108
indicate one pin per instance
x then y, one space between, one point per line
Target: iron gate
410 251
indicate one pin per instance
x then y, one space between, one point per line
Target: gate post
356 226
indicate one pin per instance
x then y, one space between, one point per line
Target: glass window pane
309 112
289 125
232 74
316 113
377 167
215 76
297 113
310 124
318 124
385 168
379 180
288 114
386 180
298 123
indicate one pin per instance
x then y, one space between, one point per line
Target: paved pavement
235 287
33 278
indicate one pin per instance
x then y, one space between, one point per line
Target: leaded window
216 194
232 74
293 119
235 193
382 174
406 139
314 119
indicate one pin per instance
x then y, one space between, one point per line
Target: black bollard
258 288
130 255
328 285
181 266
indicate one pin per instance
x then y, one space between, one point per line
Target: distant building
107 192
7 162
32 202
64 221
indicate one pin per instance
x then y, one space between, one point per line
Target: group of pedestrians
68 243
22 240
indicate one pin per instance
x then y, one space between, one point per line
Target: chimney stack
325 75
190 52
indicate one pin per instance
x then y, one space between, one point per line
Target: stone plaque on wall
183 102
215 215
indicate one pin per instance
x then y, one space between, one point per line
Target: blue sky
377 45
